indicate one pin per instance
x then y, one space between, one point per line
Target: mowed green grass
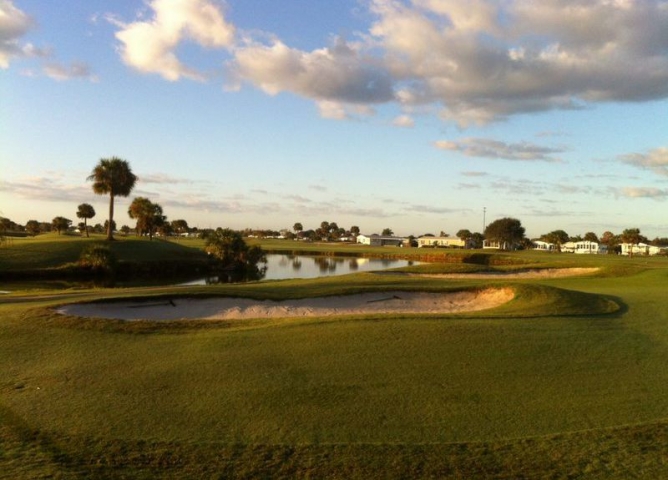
557 383
51 250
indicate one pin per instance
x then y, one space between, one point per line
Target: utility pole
484 224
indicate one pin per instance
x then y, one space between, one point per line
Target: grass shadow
623 306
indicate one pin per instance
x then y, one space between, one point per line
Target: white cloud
643 192
336 77
655 160
333 110
163 179
472 15
478 62
52 188
404 121
416 208
503 58
150 46
76 70
481 62
14 23
487 148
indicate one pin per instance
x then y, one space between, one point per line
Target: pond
282 266
279 267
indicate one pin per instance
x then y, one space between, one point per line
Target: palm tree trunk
86 227
110 228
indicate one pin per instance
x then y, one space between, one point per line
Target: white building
568 247
493 244
543 246
447 242
641 249
380 241
587 247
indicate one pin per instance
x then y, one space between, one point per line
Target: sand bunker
538 273
240 308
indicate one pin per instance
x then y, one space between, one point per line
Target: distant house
493 244
543 246
380 240
447 242
641 249
568 247
587 247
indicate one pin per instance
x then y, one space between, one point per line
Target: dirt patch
241 308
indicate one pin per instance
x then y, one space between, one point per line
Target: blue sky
415 115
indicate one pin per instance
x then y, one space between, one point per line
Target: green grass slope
568 380
52 251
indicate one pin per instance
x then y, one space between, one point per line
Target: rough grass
566 381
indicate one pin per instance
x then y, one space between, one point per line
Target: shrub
234 256
98 258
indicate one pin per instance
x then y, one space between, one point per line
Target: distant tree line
114 177
151 221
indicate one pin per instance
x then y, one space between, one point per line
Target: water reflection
233 277
327 264
282 267
306 266
278 267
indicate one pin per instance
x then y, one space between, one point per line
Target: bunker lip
243 308
522 274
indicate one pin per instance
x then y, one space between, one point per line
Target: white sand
538 273
239 308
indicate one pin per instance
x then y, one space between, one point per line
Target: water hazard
280 267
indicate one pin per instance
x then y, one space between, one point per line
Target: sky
422 116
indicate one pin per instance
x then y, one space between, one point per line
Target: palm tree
85 211
113 176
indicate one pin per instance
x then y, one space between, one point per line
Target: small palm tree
85 211
112 176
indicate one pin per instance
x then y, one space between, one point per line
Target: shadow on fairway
623 307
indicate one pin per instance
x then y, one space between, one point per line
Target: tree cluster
234 256
61 224
327 231
508 232
149 216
